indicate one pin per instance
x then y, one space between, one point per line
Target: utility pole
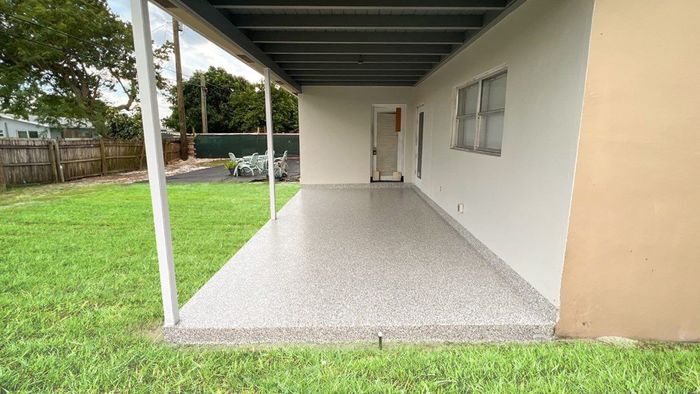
180 94
203 93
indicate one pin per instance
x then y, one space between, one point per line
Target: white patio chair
283 161
242 166
279 171
255 163
263 160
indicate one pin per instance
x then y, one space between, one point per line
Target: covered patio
341 263
499 123
344 264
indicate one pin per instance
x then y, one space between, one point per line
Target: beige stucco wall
335 125
632 263
517 204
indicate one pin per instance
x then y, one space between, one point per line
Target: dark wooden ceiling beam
359 49
354 58
355 37
357 22
222 24
458 5
355 66
358 83
378 73
358 78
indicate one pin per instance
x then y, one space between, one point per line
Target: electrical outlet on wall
460 207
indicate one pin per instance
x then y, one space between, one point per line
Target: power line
67 35
89 42
34 41
162 25
196 83
193 81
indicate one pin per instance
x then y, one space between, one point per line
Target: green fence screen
219 145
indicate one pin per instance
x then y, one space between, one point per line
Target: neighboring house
15 127
71 128
562 134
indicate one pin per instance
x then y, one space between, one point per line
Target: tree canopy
59 57
234 105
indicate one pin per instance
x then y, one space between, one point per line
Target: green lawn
80 311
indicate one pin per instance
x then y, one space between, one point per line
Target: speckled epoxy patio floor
340 265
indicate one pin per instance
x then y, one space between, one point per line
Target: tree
122 125
220 85
234 105
285 109
58 57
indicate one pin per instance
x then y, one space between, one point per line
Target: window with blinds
481 107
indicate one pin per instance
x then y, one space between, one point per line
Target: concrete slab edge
521 286
366 334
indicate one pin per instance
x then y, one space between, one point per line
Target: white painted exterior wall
335 126
10 126
517 204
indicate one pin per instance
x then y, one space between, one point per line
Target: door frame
420 108
400 161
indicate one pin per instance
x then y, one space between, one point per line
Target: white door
387 145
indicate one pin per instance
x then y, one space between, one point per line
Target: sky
196 52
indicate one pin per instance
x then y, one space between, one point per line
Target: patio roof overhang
342 42
297 43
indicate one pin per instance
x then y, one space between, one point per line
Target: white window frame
39 134
478 80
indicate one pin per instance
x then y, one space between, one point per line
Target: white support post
270 147
154 157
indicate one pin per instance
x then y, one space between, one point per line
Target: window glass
22 134
33 134
491 132
494 93
468 97
466 132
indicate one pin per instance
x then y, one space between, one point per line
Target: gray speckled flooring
339 265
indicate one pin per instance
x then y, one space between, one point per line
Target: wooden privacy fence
30 161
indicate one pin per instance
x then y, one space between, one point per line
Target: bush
124 126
